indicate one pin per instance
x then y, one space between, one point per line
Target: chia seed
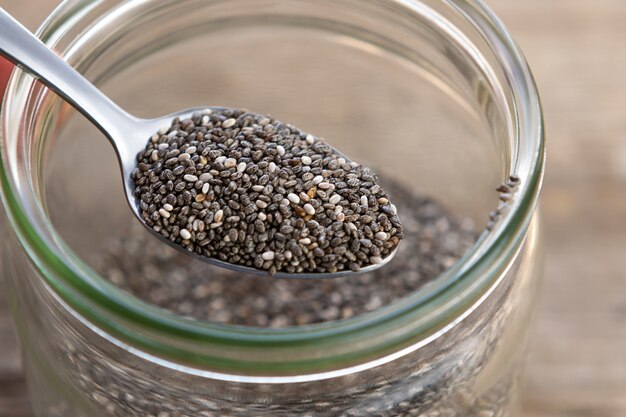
506 193
222 161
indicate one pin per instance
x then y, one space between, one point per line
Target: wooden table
578 359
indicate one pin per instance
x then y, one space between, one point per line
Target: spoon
128 134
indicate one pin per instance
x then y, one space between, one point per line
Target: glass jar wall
433 95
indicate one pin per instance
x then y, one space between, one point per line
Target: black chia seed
249 190
506 192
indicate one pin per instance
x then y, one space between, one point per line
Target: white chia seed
205 177
293 198
268 256
334 199
381 236
229 123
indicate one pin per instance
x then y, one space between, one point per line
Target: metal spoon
127 133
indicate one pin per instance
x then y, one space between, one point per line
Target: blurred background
577 363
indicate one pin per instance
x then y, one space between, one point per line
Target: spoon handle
25 50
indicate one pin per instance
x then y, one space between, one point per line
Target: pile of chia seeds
249 190
163 276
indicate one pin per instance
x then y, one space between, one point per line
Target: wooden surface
577 365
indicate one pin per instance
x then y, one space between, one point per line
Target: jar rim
161 334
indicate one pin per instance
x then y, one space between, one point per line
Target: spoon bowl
128 147
128 134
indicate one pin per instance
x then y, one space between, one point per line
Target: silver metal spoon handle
26 51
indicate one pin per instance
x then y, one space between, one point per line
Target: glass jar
433 94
